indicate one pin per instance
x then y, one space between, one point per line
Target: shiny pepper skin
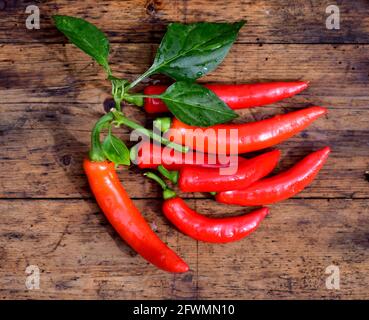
236 96
279 187
126 219
251 136
150 156
192 179
215 230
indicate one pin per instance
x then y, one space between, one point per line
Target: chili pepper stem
118 88
167 192
121 119
133 153
163 124
173 176
138 99
96 152
139 79
134 99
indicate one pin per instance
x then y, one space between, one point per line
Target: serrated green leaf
85 36
196 105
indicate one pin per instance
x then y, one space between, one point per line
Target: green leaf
116 150
191 51
196 105
85 36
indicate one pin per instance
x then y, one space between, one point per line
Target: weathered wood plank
43 147
269 21
54 73
47 115
51 94
80 256
288 256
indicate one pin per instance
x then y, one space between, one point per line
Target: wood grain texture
269 21
338 73
48 118
80 256
51 94
43 147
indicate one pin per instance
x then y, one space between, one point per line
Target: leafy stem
118 90
97 152
167 192
108 70
170 175
176 53
147 73
186 53
120 119
154 68
134 99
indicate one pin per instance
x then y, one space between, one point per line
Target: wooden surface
51 94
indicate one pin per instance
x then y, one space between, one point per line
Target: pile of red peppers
250 184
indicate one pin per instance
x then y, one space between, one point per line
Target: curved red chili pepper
236 96
281 186
192 179
150 156
219 230
251 136
126 219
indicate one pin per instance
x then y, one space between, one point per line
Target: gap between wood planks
159 198
157 43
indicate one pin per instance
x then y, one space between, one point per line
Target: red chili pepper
237 96
251 136
199 227
150 156
126 219
219 230
192 179
278 187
